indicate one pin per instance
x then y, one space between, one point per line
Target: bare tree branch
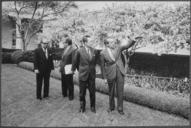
42 13
16 8
36 3
57 12
40 19
22 8
30 22
34 33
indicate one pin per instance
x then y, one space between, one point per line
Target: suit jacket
66 58
41 62
85 63
109 66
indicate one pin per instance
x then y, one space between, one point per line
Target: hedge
165 65
140 63
6 57
156 100
9 50
16 56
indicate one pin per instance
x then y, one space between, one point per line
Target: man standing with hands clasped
65 69
43 64
113 70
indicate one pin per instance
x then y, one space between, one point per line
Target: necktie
46 53
65 51
88 51
111 54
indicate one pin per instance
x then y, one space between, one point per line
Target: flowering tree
163 27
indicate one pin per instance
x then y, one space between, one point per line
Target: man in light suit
113 70
67 78
86 59
43 64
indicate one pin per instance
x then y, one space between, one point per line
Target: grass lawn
19 106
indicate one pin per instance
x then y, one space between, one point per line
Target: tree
38 12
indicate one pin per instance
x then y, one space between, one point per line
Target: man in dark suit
67 76
86 59
113 70
43 64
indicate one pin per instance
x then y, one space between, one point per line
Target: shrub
17 56
154 99
9 50
28 56
159 83
6 57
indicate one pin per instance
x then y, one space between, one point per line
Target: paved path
20 108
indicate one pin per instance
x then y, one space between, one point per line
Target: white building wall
7 30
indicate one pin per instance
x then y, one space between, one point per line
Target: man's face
111 44
85 41
45 45
64 42
89 41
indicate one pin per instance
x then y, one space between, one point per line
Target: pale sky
93 5
98 5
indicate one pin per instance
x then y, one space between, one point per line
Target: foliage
150 98
8 50
162 66
173 86
36 12
17 56
6 57
164 27
28 56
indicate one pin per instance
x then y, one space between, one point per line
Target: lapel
69 50
110 56
85 54
42 53
117 53
91 53
63 52
66 52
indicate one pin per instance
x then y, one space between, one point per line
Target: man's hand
57 63
138 38
73 72
105 81
36 71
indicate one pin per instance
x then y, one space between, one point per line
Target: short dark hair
106 42
84 39
66 35
68 41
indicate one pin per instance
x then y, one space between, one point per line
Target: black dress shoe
110 110
82 110
39 98
45 97
121 112
71 98
64 96
93 109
